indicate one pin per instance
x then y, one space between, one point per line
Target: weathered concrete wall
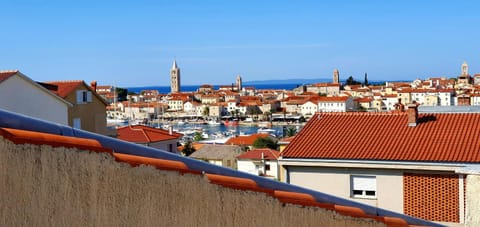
44 186
473 200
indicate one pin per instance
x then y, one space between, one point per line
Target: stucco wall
336 181
41 186
20 96
473 200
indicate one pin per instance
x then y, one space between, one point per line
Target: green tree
206 111
188 148
265 142
121 93
291 131
197 136
365 83
351 81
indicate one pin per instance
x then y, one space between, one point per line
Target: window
84 96
267 167
363 186
77 123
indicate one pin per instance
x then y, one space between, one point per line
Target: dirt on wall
45 186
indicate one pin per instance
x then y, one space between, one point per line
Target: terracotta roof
135 156
145 134
333 99
64 87
286 140
256 154
7 74
386 136
245 140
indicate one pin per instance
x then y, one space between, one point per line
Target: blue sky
133 43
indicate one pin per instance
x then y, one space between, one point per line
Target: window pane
370 193
357 192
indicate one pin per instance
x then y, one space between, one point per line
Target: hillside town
421 135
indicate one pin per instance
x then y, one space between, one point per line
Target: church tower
174 78
464 78
336 76
239 83
464 69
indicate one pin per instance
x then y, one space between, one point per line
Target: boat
212 122
116 120
266 130
230 123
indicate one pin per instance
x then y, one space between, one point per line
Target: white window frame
84 96
77 123
362 186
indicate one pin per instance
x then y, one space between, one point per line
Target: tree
351 81
291 131
197 136
365 83
188 148
206 111
265 142
121 93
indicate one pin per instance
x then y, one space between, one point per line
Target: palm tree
291 131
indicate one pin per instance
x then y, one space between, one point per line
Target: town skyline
133 45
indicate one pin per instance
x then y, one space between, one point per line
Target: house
85 171
89 110
151 137
262 162
406 162
245 141
335 104
21 94
220 155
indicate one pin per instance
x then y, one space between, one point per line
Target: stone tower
464 78
239 83
464 69
174 78
336 76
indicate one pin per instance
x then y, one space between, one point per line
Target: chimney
93 85
412 114
170 130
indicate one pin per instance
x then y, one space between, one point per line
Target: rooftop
387 136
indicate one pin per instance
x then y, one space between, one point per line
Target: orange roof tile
245 140
145 134
256 154
7 74
64 87
386 136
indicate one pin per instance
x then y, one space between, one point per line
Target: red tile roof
65 87
145 134
256 154
245 140
386 136
7 74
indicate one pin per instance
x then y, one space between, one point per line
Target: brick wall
431 196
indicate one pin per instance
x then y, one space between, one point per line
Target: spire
174 66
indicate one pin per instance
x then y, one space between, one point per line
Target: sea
191 88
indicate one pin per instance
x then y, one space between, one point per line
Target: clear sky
133 43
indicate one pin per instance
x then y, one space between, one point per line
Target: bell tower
336 76
174 78
239 83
